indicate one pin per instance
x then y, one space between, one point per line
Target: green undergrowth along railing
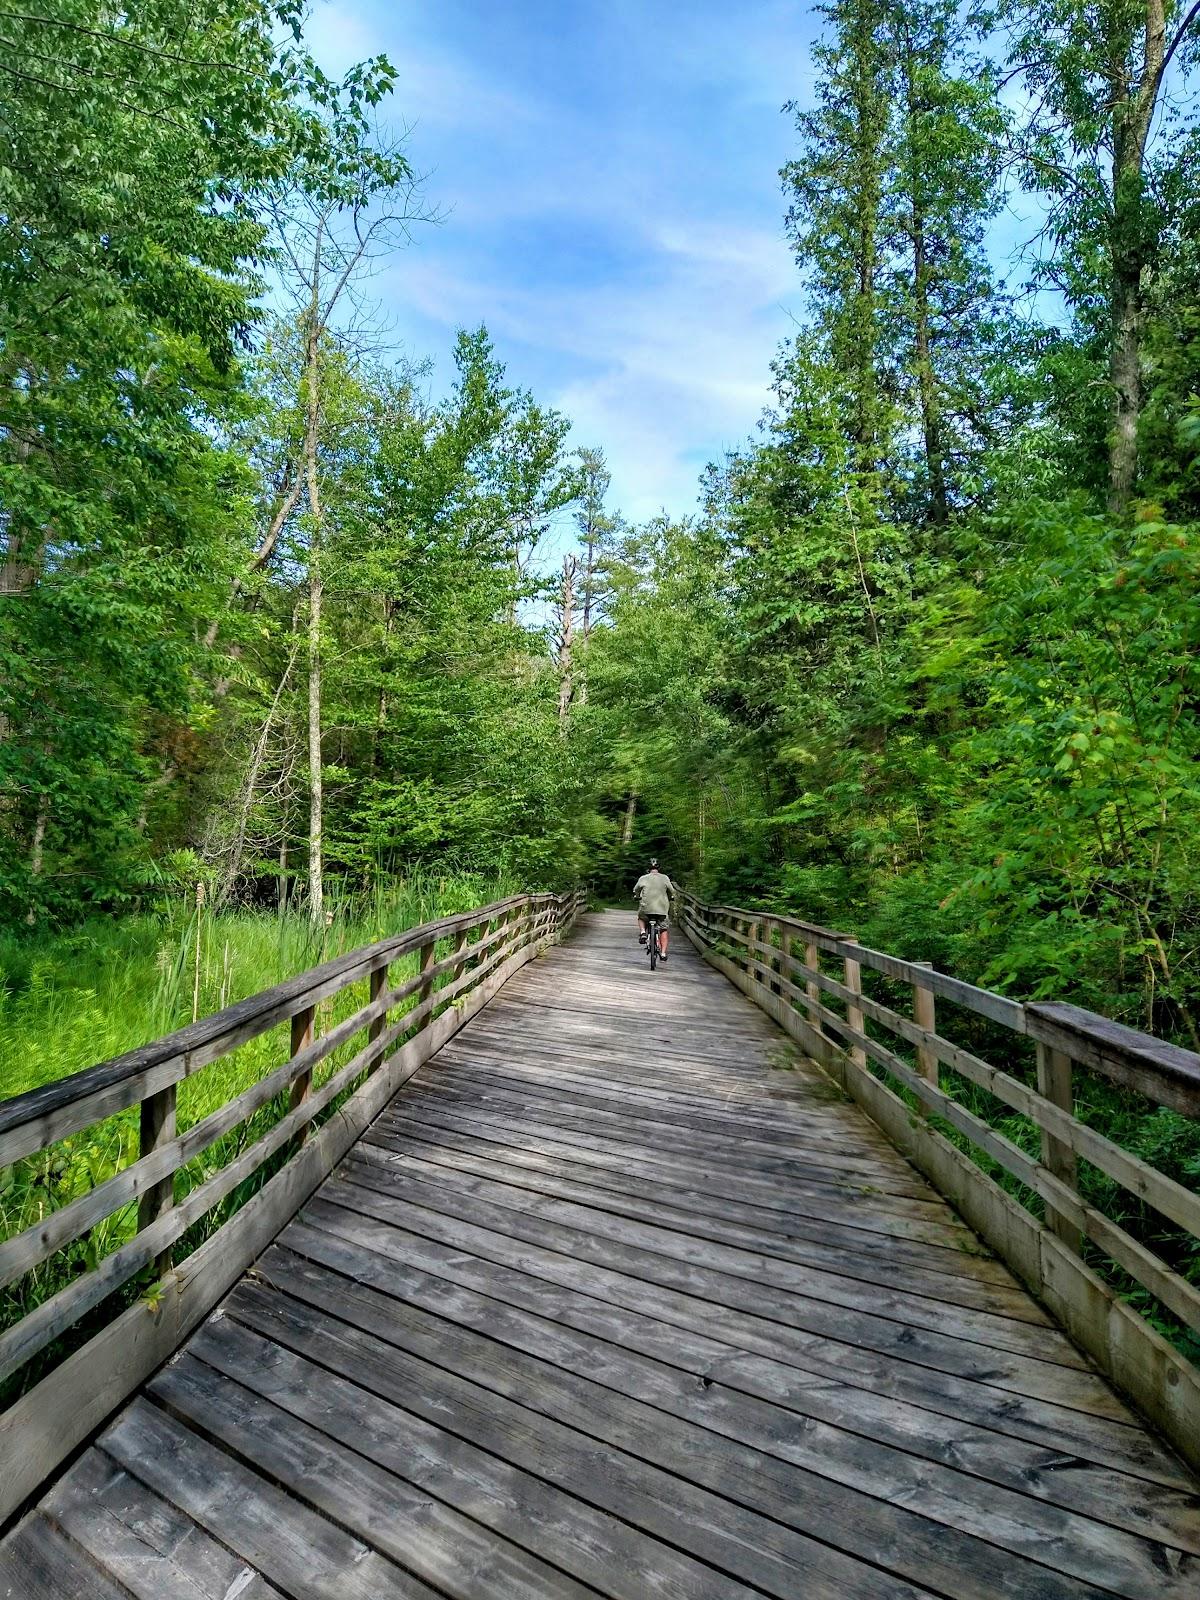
1028 1150
186 1155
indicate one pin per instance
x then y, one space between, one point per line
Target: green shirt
654 891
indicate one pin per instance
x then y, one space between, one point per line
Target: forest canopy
923 663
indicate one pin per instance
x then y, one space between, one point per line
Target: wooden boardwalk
619 1297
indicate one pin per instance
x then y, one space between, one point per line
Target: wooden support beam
854 1016
1054 1082
157 1129
925 1016
378 984
302 1035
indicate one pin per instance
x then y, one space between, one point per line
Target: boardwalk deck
620 1297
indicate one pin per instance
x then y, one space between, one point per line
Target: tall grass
72 999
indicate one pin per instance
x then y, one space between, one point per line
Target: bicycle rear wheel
652 941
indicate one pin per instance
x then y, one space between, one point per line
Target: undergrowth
71 999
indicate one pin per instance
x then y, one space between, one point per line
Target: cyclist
654 892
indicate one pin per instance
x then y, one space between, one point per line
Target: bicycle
653 931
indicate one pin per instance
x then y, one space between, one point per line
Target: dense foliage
923 664
929 678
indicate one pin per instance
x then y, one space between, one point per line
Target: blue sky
607 171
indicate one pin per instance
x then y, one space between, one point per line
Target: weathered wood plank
639 1356
147 1545
940 1315
643 1279
766 1233
855 1494
1165 1073
397 1413
451 1553
273 1531
38 1562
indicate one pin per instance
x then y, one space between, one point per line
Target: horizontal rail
832 1018
1161 1071
403 1024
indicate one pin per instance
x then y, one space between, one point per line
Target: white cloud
612 213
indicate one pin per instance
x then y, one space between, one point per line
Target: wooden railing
460 963
781 964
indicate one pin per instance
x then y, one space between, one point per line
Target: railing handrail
757 950
1167 1073
1164 1072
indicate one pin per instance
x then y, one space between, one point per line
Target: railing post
812 990
777 962
1054 1084
854 1016
378 984
752 938
426 958
157 1128
302 1036
925 1016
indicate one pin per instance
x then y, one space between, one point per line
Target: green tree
1096 77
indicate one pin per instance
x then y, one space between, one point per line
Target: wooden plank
634 1275
790 1239
303 1553
686 1128
679 1244
975 1400
925 1017
747 1349
157 1128
358 1391
850 1492
785 1124
1054 1083
856 1210
753 1398
450 1553
885 1177
38 1562
148 1546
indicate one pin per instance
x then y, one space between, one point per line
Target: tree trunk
258 756
866 183
37 853
927 384
630 814
1131 248
931 405
316 827
1125 375
566 637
